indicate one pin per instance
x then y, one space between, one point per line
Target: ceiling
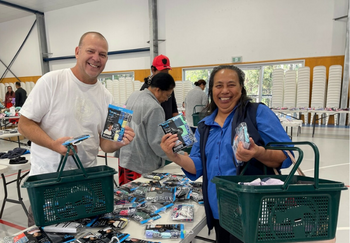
8 13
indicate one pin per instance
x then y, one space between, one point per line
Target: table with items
162 206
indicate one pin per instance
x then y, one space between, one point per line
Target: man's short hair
18 84
90 32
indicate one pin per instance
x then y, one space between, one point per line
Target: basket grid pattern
293 218
229 201
88 199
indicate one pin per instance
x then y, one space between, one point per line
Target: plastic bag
241 135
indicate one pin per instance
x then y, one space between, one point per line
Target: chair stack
179 94
277 88
137 85
116 96
289 96
122 91
318 92
303 93
333 91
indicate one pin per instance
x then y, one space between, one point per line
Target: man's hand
57 146
109 146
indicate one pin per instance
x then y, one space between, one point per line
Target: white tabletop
3 169
10 135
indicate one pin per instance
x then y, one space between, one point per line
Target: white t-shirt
65 106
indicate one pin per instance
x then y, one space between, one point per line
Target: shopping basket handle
273 146
194 108
64 160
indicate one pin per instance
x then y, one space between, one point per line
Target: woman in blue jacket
212 154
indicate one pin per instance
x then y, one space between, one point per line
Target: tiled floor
332 142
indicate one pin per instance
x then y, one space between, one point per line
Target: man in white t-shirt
69 103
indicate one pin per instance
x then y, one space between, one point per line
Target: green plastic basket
302 209
197 116
69 195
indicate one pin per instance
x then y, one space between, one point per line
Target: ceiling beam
21 7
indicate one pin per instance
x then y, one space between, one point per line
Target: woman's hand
245 155
167 144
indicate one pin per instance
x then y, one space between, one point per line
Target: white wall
213 32
197 32
12 35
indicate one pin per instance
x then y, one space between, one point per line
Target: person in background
20 95
161 64
194 97
68 103
212 155
9 96
145 154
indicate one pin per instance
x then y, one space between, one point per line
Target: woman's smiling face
226 90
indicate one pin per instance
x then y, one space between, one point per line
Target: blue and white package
178 125
117 119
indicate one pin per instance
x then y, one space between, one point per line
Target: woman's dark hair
11 93
200 82
241 75
163 81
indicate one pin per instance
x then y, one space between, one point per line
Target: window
194 74
258 79
103 77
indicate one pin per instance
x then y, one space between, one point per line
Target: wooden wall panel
23 79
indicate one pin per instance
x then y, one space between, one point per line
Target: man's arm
31 130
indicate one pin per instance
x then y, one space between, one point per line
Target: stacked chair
303 93
289 96
129 86
179 94
277 88
333 92
137 85
318 92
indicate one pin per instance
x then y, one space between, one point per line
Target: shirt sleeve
38 102
196 157
271 130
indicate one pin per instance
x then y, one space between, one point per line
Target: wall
12 35
196 32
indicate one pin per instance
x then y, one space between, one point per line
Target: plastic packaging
241 135
178 125
117 119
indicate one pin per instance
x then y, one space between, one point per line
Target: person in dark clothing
161 64
20 95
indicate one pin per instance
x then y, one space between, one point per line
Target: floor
332 142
